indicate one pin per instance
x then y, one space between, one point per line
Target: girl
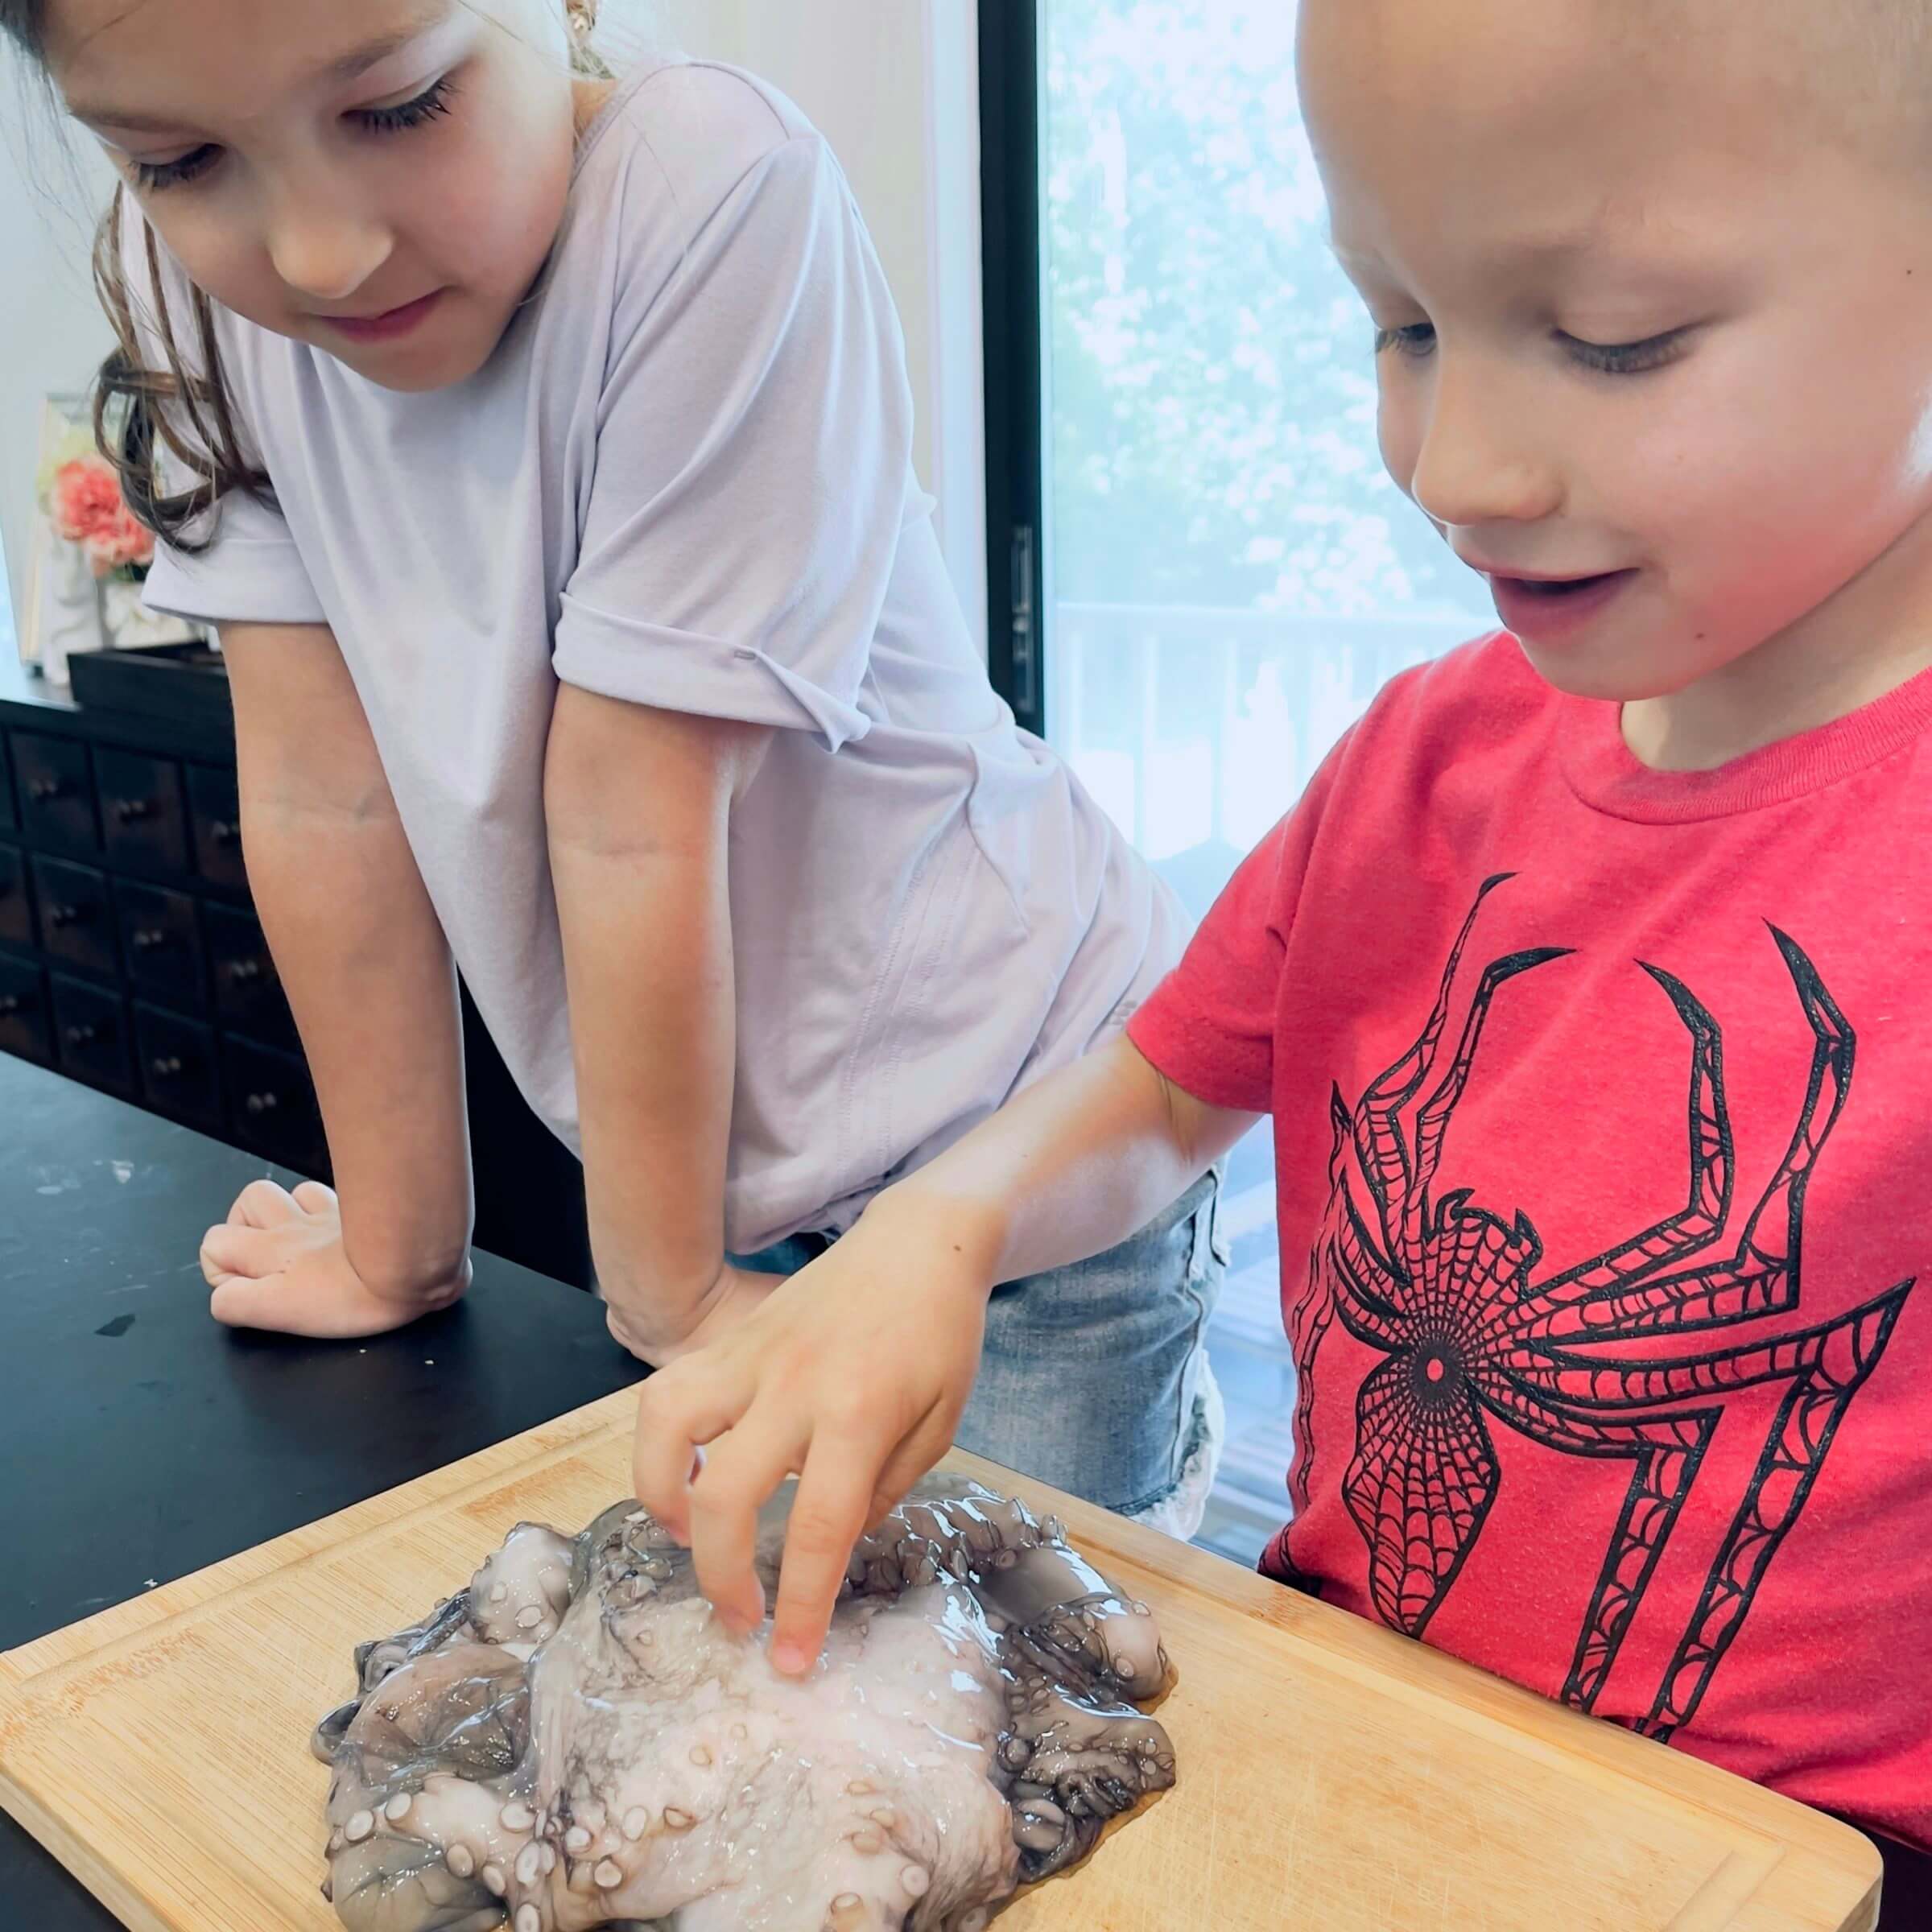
538 442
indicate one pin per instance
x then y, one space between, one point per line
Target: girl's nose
325 253
1481 459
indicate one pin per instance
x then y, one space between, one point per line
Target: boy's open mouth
1546 608
1557 589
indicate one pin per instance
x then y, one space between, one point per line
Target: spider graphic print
1474 1339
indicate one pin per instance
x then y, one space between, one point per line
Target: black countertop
143 1443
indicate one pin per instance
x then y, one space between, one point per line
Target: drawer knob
40 790
262 1103
148 938
224 832
82 1036
242 970
67 915
128 810
166 1067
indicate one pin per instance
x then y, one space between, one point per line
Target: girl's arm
368 973
639 805
853 1374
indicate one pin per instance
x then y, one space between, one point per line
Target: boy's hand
851 1375
736 1293
278 1262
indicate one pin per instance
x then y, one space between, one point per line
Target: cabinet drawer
90 1034
271 1106
214 813
248 990
161 942
178 1073
26 1027
57 789
77 920
16 902
143 817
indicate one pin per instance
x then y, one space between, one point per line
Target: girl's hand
851 1375
278 1262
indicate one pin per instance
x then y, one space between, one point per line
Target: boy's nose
1481 459
325 253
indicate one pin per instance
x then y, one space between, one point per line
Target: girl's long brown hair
143 416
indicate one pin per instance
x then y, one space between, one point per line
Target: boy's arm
367 970
638 804
854 1373
1071 1168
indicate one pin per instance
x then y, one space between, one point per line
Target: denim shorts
1094 1377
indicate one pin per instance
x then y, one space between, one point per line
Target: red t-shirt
1602 1116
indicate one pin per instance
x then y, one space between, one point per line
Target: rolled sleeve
753 468
251 572
618 657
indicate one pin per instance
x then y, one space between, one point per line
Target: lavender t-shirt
685 479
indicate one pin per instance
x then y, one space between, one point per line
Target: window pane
1231 575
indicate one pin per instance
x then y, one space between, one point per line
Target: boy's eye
1626 358
434 100
1417 339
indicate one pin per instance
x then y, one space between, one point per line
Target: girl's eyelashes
153 175
433 102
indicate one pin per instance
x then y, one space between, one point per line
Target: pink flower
87 509
86 495
122 543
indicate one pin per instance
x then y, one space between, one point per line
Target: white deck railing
1199 728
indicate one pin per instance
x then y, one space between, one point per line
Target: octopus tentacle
520 1593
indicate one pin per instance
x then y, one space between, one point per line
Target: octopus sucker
573 1742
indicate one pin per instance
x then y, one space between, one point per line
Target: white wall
52 334
892 84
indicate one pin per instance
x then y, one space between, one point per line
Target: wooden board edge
78 1858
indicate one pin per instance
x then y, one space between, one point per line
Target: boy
1585 987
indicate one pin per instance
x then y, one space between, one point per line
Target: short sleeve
250 572
1209 1026
753 467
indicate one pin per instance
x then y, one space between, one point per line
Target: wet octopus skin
573 1742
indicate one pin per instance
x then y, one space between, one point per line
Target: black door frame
1009 185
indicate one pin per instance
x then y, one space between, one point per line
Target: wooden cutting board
1332 1774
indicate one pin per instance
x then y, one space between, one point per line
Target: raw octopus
574 1741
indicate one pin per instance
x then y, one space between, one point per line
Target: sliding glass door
1200 574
